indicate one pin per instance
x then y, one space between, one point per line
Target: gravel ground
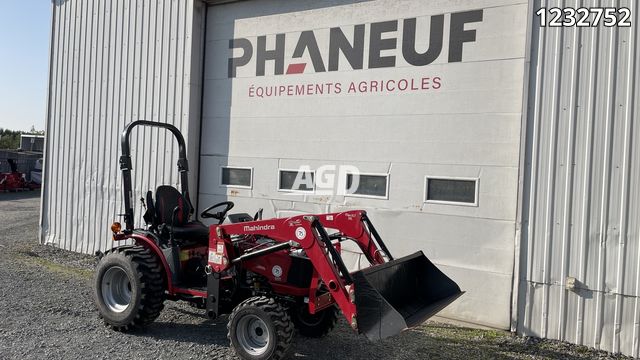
47 311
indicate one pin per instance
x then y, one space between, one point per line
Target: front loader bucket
400 294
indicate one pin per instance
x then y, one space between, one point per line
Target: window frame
312 191
425 198
386 190
222 167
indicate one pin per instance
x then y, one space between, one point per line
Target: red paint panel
296 68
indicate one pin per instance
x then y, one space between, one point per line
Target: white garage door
423 97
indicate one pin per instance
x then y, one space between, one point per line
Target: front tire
314 325
129 288
260 329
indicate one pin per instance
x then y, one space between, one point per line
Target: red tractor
272 276
15 180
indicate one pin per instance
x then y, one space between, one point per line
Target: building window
296 180
239 177
368 185
455 191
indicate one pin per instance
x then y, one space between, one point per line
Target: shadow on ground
19 195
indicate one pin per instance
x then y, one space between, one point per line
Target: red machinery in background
15 180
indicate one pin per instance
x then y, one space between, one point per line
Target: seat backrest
167 199
150 216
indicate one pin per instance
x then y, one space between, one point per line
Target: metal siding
112 63
581 212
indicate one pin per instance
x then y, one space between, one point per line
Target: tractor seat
194 230
168 199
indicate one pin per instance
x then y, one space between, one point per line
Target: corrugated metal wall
113 62
583 206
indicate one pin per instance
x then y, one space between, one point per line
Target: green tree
9 139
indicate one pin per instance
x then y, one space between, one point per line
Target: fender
149 243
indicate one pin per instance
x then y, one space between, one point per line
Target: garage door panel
366 94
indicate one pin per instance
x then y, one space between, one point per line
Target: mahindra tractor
272 277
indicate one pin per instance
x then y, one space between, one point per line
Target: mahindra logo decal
258 227
380 39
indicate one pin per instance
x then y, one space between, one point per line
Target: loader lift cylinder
262 252
337 259
376 236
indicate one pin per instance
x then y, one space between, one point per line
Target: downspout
518 234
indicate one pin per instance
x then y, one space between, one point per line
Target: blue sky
24 60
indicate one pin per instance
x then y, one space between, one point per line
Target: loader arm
304 232
382 300
356 226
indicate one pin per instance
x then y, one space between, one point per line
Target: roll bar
126 167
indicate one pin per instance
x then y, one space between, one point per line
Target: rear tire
129 288
260 329
314 325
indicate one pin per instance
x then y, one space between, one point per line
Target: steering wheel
220 215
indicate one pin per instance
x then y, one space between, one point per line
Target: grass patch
30 258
